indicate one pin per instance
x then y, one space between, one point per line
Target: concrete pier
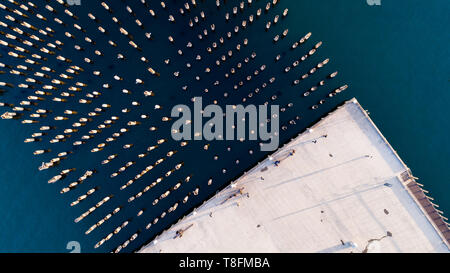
344 190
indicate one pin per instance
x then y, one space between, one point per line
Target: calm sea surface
394 57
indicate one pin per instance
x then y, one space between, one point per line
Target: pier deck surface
340 193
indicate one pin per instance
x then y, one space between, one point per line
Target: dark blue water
392 56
